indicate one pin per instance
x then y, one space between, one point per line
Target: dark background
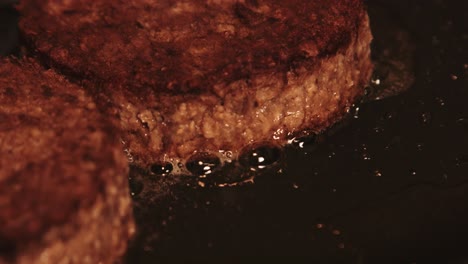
391 186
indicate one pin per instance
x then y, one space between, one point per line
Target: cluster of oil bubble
223 169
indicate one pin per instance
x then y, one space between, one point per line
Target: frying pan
389 186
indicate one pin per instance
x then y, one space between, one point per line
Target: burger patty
207 76
64 194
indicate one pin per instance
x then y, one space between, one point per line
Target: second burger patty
184 77
64 194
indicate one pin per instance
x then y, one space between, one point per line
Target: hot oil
387 185
393 57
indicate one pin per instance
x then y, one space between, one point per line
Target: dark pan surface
390 186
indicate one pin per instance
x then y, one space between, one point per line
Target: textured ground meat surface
207 75
63 177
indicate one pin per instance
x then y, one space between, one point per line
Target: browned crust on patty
60 160
191 45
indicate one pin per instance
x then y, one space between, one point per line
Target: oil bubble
161 169
426 118
304 141
203 164
260 156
